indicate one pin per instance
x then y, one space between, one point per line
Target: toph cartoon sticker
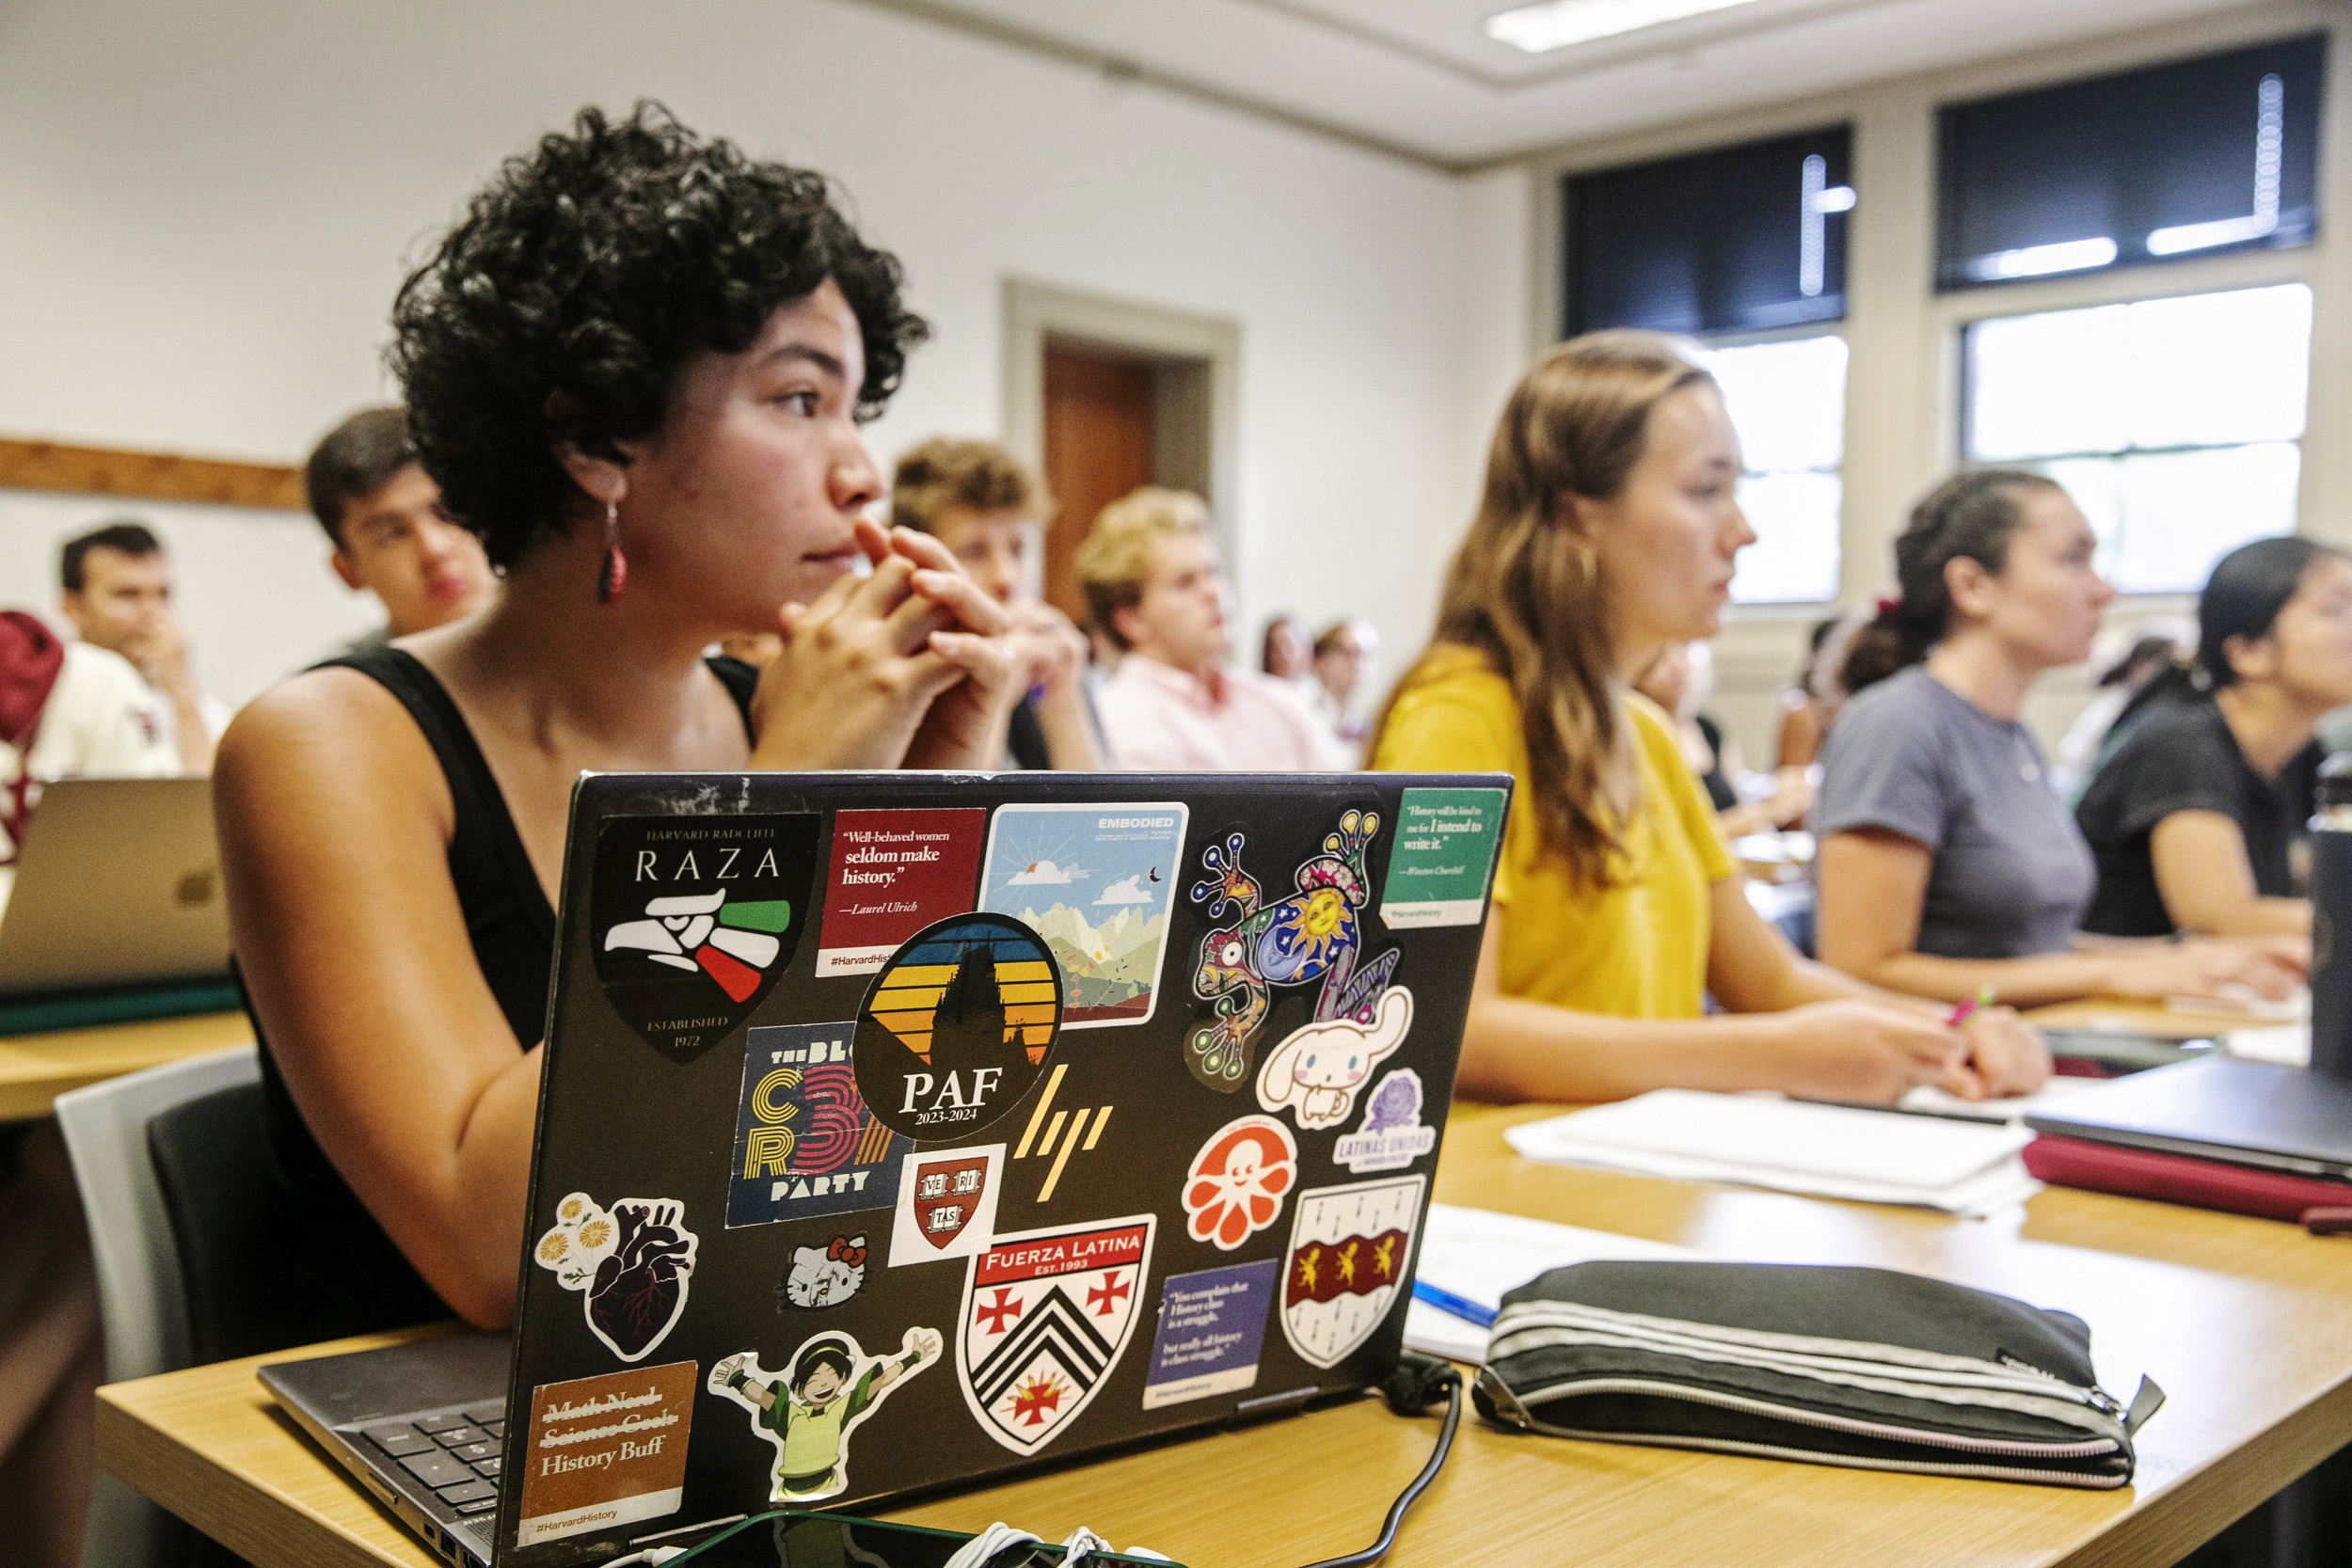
693 919
1351 1248
809 1408
957 1027
947 1204
1314 934
1314 1073
1097 883
632 1261
1047 1314
822 1276
604 1450
1236 1183
805 1144
1392 1135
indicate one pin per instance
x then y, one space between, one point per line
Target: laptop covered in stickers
904 1131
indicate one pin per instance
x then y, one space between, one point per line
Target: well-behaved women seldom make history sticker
604 1450
891 874
1438 866
804 1143
1096 882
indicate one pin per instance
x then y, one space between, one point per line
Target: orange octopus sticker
1238 1182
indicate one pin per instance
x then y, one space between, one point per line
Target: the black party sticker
693 918
957 1026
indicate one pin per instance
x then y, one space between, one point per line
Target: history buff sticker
1444 854
892 873
605 1452
1211 1325
1097 883
804 1143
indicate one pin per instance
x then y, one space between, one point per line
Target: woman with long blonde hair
1607 529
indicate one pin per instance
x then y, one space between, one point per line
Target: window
1739 239
1787 400
2194 158
2175 423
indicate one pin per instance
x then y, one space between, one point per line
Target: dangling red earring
613 576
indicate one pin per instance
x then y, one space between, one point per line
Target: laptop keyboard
455 1454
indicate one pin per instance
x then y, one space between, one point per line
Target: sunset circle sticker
957 1026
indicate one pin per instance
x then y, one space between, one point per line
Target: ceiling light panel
1560 23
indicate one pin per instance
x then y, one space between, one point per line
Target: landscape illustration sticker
1392 1135
892 873
957 1027
1237 1182
1318 1067
604 1450
692 919
822 1276
632 1260
1046 1315
1212 1323
1351 1252
1097 883
946 1204
809 1408
804 1143
1314 934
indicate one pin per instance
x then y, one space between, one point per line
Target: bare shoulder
332 735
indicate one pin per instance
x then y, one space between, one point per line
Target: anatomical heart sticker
693 918
631 1259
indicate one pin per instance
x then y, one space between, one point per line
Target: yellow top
1634 949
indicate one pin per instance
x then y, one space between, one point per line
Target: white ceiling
1421 78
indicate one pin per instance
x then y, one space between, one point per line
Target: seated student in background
1341 651
1176 704
2096 733
67 709
383 513
114 587
1607 529
1946 863
983 503
636 368
1677 680
1803 714
2194 819
1288 650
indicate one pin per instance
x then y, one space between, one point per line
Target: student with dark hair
115 586
2194 819
1947 863
1805 714
1607 529
636 369
383 513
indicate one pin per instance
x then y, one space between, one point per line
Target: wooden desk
36 1069
2247 1323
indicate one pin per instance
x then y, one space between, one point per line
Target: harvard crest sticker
957 1026
1046 1315
694 917
1350 1251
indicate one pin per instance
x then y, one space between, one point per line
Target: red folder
2181 1178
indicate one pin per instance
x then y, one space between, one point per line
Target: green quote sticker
1445 848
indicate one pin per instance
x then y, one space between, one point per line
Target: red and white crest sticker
946 1204
1046 1315
1350 1258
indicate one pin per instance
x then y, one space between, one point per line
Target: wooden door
1098 446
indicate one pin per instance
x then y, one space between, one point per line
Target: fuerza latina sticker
1046 1315
1443 855
804 1143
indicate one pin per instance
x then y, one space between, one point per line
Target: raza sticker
946 1204
804 1143
1349 1253
1443 855
604 1450
1235 1186
822 1276
1097 883
1316 1071
1392 1135
1212 1323
631 1262
957 1027
1046 1315
693 919
892 873
808 1410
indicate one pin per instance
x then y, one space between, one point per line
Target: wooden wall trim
147 475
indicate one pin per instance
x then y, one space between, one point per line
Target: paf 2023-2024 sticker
957 1027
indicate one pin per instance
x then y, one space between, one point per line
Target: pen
1446 1301
1985 997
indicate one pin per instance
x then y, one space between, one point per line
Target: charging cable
1410 1391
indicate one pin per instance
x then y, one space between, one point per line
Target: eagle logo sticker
1047 1314
1350 1255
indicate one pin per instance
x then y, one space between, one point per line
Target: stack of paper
1929 1100
1477 1256
2288 1044
1759 1140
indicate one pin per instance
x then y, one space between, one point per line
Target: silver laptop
2285 1118
118 883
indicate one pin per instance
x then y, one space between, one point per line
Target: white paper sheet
2288 1044
1479 1255
1934 1101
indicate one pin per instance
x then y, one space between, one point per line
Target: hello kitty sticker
1316 1071
822 1276
631 1262
1392 1135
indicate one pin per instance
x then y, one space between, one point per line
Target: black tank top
346 1271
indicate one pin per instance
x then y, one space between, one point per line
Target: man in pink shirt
1175 704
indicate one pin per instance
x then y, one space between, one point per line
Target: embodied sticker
604 1450
1351 1248
1212 1323
1236 1184
946 1204
1312 935
809 1408
1046 1315
957 1027
1392 1135
805 1144
631 1262
892 873
1316 1070
1055 1132
692 918
1097 883
1443 858
822 1276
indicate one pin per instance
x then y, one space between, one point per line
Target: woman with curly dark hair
636 368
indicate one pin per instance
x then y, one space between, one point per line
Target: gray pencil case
1866 1368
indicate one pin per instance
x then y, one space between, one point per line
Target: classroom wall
207 209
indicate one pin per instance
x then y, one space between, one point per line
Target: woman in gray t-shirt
1947 866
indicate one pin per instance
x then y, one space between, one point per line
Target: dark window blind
1736 239
2194 158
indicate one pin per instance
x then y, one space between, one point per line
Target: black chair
228 1220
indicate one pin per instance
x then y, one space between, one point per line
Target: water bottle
2331 919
